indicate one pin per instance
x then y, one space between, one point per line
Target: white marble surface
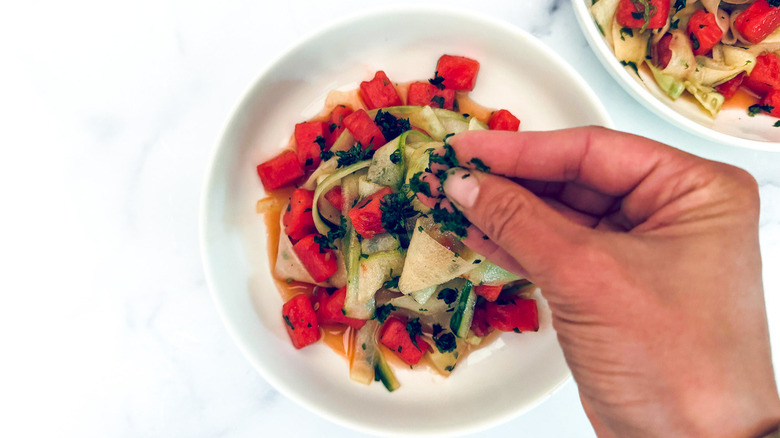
109 113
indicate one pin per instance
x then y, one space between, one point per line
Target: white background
108 113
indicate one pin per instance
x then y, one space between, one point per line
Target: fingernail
461 187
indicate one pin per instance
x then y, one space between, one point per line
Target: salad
368 258
711 50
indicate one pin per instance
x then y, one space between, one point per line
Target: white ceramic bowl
732 126
518 73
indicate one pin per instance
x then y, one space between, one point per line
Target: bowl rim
219 149
599 46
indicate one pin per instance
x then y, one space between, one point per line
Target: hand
650 262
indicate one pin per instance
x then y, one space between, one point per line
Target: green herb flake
446 342
353 155
758 108
476 261
382 312
777 123
437 81
392 283
694 41
480 165
626 31
420 229
414 328
448 159
320 140
395 157
417 185
630 64
448 295
309 162
326 155
438 100
396 209
327 241
363 345
680 5
453 221
390 125
674 24
287 321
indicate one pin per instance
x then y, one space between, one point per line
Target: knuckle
504 213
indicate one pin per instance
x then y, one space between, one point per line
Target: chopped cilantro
396 208
355 154
448 295
326 242
287 321
363 345
395 157
626 31
451 220
757 109
320 140
637 15
777 124
448 159
449 368
414 329
485 237
332 127
326 155
438 100
417 185
437 81
465 175
446 342
437 329
476 261
480 165
694 41
630 64
420 228
401 347
382 312
390 125
679 5
343 312
392 283
674 24
309 162
775 3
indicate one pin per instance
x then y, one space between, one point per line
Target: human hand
649 259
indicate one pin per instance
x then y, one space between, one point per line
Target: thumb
517 223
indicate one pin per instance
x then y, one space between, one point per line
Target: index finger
611 162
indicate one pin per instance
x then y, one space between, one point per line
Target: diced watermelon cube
516 314
395 336
329 308
423 93
503 120
280 171
300 321
379 92
310 140
459 72
366 217
336 123
363 128
320 262
297 219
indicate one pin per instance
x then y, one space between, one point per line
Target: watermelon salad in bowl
338 268
711 67
366 251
